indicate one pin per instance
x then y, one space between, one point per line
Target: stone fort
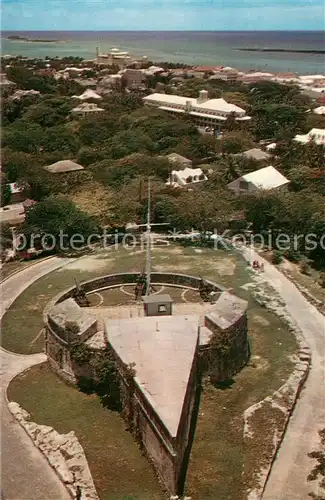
161 346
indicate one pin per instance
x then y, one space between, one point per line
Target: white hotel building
205 112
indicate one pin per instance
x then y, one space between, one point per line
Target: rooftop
163 350
87 107
180 177
150 299
255 154
266 178
320 110
316 134
15 188
11 214
208 105
176 158
87 94
63 166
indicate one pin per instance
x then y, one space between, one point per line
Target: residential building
178 160
227 74
18 94
320 110
12 214
108 83
186 177
5 83
87 95
18 192
254 154
88 82
63 166
256 76
204 111
134 78
271 147
153 70
86 108
315 134
267 178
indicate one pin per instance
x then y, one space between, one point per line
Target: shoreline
285 51
36 40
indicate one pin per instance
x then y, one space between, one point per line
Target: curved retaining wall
223 355
111 280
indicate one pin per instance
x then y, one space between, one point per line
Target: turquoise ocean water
200 48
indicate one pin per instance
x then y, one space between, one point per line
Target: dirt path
25 473
288 479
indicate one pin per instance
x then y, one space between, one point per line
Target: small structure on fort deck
157 305
163 345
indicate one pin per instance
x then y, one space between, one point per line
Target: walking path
288 479
25 473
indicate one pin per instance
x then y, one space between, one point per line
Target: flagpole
148 261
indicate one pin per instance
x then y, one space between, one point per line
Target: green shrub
321 280
277 257
292 255
305 268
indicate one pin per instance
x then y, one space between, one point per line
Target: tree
129 141
271 92
235 142
231 123
203 211
28 80
276 120
44 115
5 238
86 156
15 163
60 138
94 131
5 194
319 469
21 136
55 214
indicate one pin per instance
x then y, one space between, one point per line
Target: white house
315 134
205 111
263 179
181 178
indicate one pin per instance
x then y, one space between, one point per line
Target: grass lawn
119 470
308 282
218 454
11 267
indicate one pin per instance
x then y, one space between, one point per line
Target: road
288 479
25 473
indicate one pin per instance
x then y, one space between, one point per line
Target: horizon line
170 31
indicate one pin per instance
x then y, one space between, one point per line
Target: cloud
162 15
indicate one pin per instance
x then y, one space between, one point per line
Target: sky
106 15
